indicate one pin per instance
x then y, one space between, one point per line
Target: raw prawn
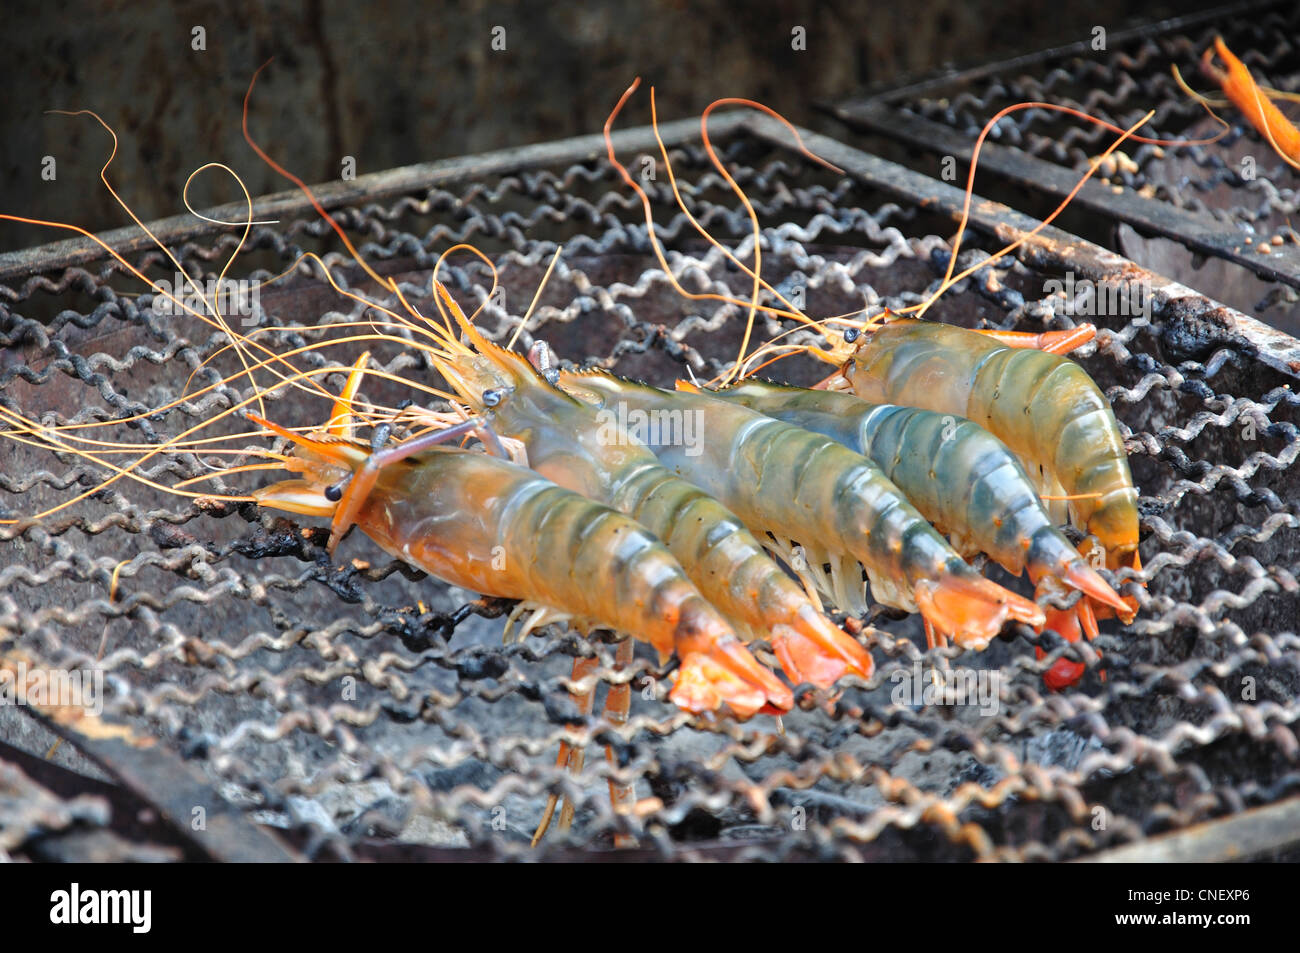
1042 405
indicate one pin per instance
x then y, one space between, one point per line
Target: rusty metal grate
364 711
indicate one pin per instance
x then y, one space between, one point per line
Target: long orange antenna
302 186
949 278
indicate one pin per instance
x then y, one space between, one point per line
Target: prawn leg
570 756
1051 342
618 707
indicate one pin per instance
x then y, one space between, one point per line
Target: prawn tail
718 667
819 654
703 684
721 670
1052 561
1117 558
971 609
1084 578
821 648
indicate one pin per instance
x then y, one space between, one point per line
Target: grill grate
1234 200
366 711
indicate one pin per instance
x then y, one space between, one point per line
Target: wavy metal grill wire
364 710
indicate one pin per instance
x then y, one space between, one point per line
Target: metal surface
183 798
364 188
367 712
1040 61
1198 230
1263 830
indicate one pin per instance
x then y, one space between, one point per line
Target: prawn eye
334 492
495 395
851 335
552 376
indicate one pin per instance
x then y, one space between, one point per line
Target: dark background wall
401 82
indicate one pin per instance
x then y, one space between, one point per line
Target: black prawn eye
851 335
334 492
495 395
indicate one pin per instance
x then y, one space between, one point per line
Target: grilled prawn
961 478
490 526
802 487
567 442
